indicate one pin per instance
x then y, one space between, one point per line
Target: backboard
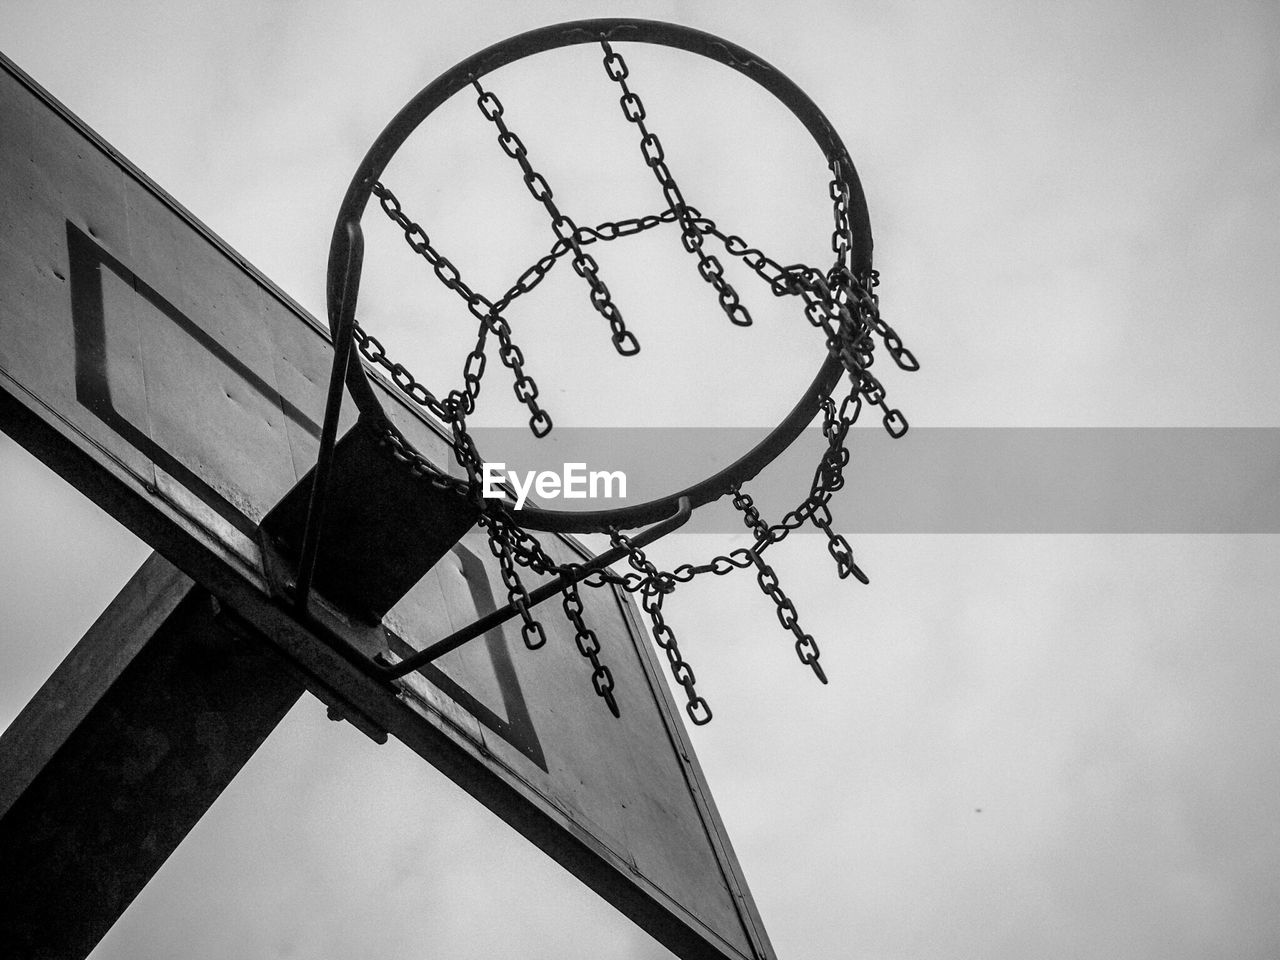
148 363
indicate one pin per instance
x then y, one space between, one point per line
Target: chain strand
500 545
565 229
589 647
709 267
653 588
481 308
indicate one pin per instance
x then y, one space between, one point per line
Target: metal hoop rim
340 287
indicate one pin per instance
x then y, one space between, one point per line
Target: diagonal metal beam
120 753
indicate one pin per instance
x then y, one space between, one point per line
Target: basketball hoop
840 302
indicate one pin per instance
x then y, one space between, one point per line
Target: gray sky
1076 213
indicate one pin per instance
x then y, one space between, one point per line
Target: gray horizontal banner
934 480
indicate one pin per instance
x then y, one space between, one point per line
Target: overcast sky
1032 746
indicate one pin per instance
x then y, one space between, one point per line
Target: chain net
841 305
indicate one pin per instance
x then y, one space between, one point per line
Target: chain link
842 235
709 267
806 646
609 230
654 586
500 545
565 229
589 647
490 317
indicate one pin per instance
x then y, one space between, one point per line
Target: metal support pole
342 343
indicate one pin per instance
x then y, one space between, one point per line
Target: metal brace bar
549 589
